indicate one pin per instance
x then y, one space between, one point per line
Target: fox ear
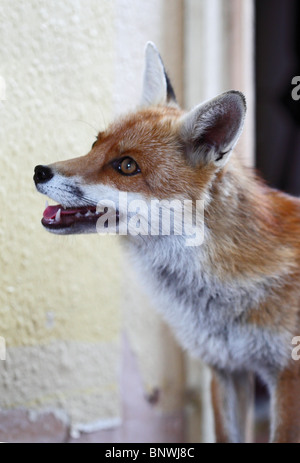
211 130
157 88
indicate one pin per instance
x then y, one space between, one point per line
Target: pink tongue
50 211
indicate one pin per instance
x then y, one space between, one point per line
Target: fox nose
42 174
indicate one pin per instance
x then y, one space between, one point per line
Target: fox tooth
57 217
88 213
46 204
78 215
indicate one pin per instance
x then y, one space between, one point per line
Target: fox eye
127 166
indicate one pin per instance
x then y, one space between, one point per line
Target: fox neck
241 226
246 227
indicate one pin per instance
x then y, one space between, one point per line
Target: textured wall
59 297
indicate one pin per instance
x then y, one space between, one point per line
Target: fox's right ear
157 88
211 130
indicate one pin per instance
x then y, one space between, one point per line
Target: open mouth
57 216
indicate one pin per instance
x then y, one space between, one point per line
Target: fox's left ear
157 88
211 130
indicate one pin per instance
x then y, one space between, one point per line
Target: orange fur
150 137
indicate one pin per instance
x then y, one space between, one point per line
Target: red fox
233 300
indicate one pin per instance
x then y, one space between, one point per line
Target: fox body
234 300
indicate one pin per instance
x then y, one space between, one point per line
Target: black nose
42 174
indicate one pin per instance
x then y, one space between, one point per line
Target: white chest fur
208 317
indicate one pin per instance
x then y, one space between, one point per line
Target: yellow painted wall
59 296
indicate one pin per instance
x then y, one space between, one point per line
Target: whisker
70 190
87 123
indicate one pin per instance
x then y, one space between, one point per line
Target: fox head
159 152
